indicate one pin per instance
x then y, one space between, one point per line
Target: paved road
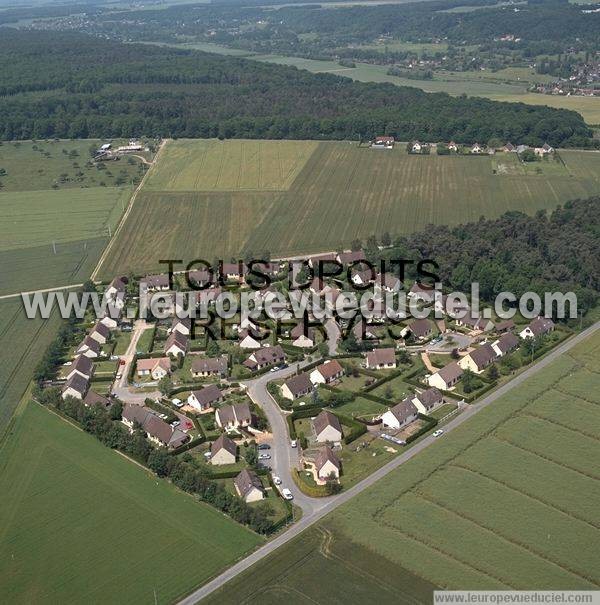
333 335
19 294
283 456
335 501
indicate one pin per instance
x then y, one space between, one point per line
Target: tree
493 372
165 385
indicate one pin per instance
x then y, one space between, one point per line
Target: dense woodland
516 253
71 85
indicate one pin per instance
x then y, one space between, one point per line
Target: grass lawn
145 341
221 217
442 411
356 465
397 388
122 342
360 407
77 518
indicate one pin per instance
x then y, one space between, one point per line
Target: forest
70 85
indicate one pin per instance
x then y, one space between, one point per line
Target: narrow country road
335 501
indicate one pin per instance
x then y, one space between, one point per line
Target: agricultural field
496 504
340 192
80 522
23 341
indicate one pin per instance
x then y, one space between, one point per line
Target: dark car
264 446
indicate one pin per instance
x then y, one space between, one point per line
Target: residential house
210 366
388 283
183 326
157 367
153 283
267 356
421 292
314 261
400 415
200 277
354 256
176 344
156 430
100 333
233 416
420 329
504 326
111 316
296 386
521 148
363 278
545 149
327 427
363 331
381 359
540 326
477 148
327 464
77 386
248 486
479 359
383 142
452 146
223 451
509 148
507 343
234 271
327 372
474 323
248 339
92 399
83 366
89 347
446 378
303 338
417 147
115 291
427 400
205 398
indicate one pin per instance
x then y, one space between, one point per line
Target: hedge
314 491
356 428
187 446
383 380
231 474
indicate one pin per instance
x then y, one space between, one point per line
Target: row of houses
157 430
302 384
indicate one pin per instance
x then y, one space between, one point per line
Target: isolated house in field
446 378
233 416
303 338
83 366
540 326
400 415
479 359
545 149
427 400
419 328
77 386
383 142
89 347
326 464
327 427
265 357
507 343
327 372
183 326
296 386
176 344
223 451
205 398
248 486
381 359
210 366
155 283
157 368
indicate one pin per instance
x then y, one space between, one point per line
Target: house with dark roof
100 332
400 415
422 292
301 337
223 451
427 400
248 486
540 326
327 427
77 386
83 366
507 343
233 416
419 328
234 271
210 366
381 359
156 429
297 386
479 359
89 347
354 256
446 378
326 373
474 322
323 462
176 344
181 325
92 399
205 398
264 357
504 326
153 283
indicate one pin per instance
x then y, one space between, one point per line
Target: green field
508 500
80 523
342 192
23 342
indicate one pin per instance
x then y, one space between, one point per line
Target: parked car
264 456
287 494
119 375
122 362
294 443
264 446
114 357
438 432
68 363
276 480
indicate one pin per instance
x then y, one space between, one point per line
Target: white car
287 494
276 480
294 443
68 363
264 456
438 433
